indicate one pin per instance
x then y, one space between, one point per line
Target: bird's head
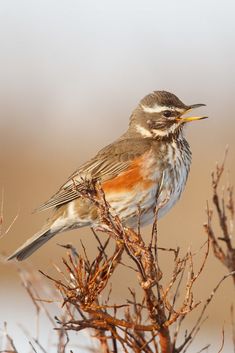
161 114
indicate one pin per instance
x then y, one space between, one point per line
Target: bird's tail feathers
32 244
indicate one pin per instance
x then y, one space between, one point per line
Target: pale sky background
70 74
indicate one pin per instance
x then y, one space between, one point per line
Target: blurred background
71 72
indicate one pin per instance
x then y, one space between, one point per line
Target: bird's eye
167 113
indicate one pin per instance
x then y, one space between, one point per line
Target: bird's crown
157 101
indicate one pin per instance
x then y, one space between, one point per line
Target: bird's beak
192 118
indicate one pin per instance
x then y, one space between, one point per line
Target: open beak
192 118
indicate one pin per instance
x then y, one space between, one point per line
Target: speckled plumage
151 158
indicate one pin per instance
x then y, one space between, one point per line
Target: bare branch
225 251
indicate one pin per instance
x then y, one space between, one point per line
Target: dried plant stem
222 246
87 279
153 323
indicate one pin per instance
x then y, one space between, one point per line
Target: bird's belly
173 184
139 203
168 198
129 206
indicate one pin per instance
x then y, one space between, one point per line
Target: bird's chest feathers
137 186
177 164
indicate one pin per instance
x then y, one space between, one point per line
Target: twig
190 335
222 343
9 339
204 348
3 233
139 325
226 252
233 326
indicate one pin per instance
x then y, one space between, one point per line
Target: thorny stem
226 252
145 326
88 279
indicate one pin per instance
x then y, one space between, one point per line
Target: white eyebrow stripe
160 108
155 109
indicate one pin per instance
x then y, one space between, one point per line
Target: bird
151 158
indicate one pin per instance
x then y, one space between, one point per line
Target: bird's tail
32 244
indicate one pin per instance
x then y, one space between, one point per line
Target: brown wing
107 164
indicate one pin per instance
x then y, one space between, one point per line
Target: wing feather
108 163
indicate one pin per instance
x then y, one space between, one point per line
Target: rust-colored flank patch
129 179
